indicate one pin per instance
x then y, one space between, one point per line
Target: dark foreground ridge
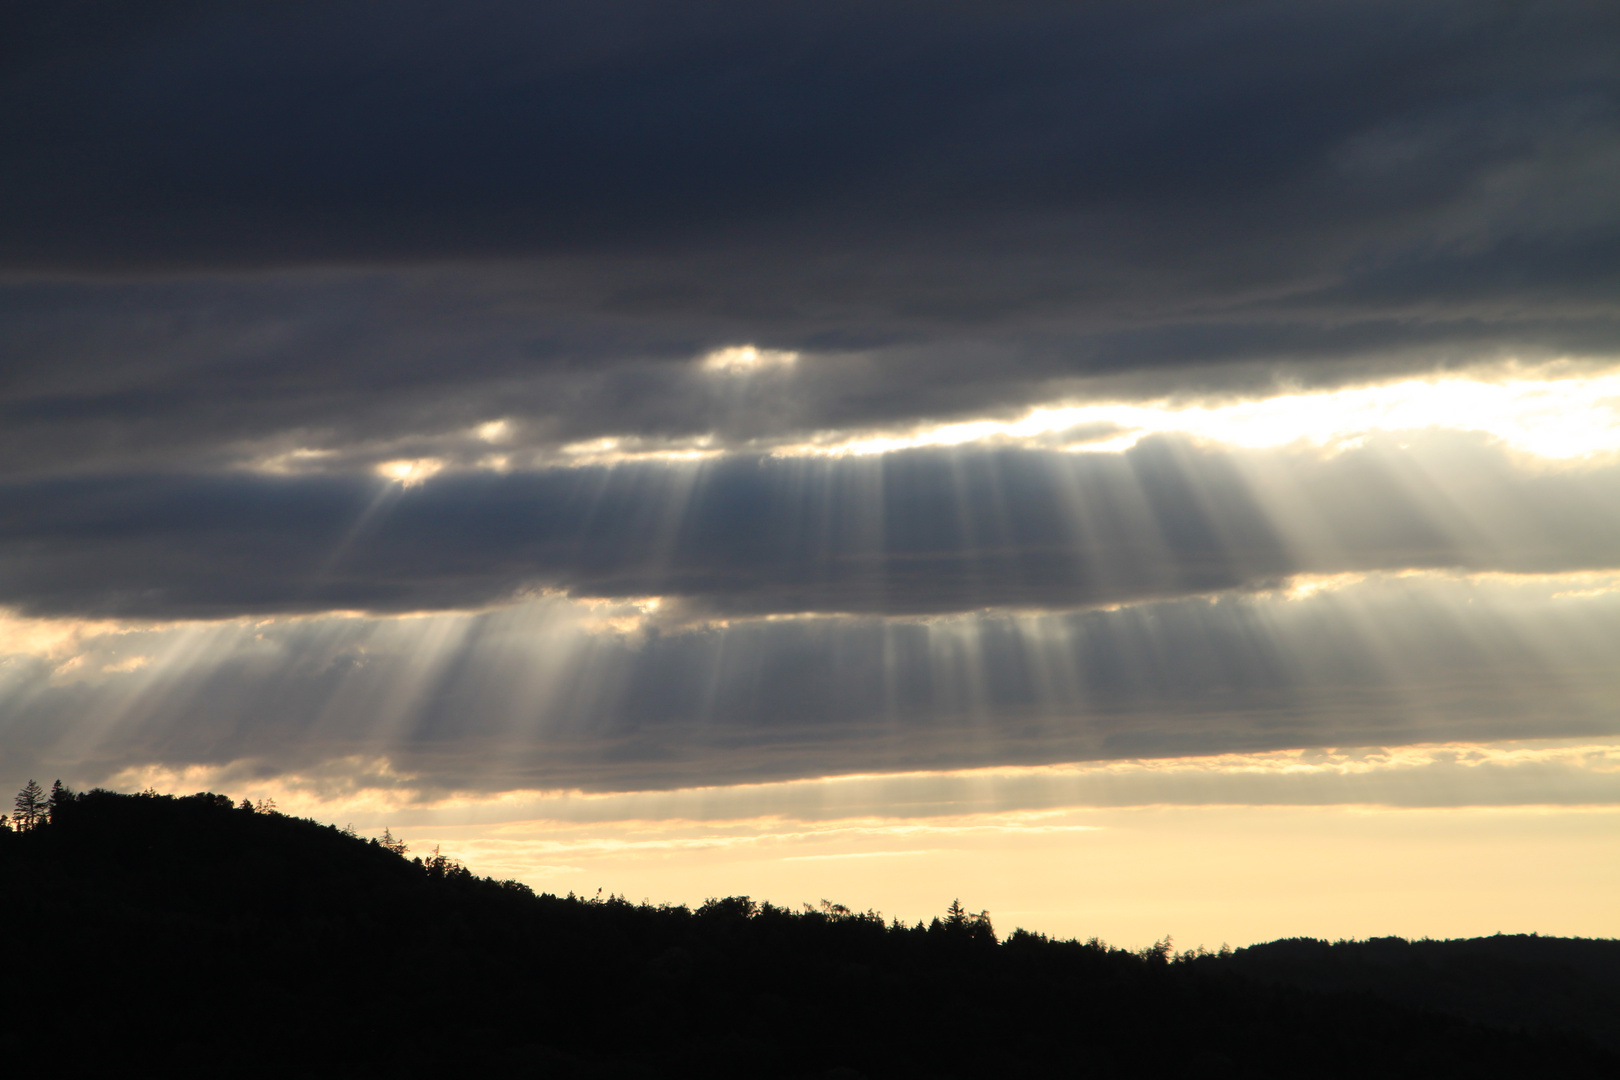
192 936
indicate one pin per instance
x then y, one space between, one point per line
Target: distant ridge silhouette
197 936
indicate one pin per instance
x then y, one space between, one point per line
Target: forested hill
190 935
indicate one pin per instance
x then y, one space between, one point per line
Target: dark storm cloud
435 215
377 365
910 533
178 133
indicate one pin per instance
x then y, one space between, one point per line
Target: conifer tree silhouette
30 806
61 795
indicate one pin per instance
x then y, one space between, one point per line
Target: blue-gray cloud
550 694
178 133
431 217
903 533
241 236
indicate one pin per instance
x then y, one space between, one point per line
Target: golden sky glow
1258 846
1205 874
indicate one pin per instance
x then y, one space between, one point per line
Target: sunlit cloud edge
1554 773
1557 413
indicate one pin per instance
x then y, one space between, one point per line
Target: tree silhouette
440 867
735 987
31 807
1160 952
61 795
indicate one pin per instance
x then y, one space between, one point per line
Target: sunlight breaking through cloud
732 437
1552 417
1554 413
412 472
746 360
1544 413
549 687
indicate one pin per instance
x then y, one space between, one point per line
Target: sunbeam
1159 466
555 691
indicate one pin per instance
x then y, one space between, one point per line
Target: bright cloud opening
410 472
1553 418
494 431
746 360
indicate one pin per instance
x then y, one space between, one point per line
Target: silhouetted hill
186 935
1518 981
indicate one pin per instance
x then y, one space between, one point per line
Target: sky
1139 468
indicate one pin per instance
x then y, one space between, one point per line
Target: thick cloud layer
912 533
173 134
434 217
597 287
208 373
556 694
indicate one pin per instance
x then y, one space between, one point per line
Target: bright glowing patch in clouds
292 462
1549 416
494 431
613 450
1546 413
411 472
22 636
746 360
1556 418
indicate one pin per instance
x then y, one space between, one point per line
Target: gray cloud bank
241 235
542 696
210 373
909 533
183 134
340 225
